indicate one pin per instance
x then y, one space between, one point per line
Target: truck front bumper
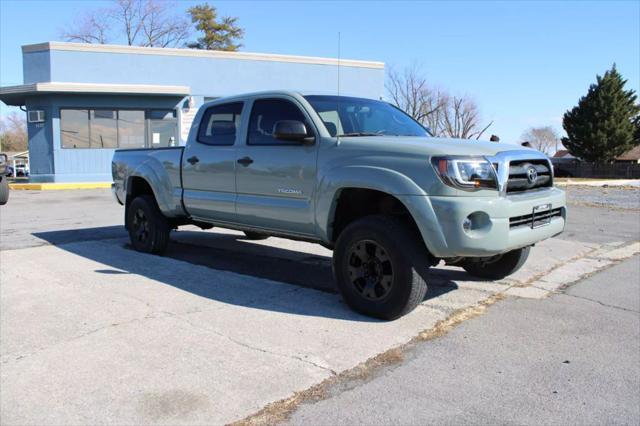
486 226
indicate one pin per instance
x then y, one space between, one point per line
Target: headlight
468 173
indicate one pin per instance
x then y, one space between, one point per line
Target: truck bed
160 167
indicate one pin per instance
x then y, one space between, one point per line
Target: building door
275 179
163 129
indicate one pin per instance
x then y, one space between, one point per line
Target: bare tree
443 114
410 92
461 119
13 132
91 27
543 139
149 23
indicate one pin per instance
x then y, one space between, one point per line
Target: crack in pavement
606 305
249 346
7 358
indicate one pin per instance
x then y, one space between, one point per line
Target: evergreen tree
603 124
222 34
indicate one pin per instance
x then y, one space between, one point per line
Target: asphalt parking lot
93 332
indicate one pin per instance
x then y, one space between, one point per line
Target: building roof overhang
15 95
212 54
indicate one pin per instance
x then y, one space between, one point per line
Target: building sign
186 119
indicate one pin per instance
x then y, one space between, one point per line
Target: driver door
275 179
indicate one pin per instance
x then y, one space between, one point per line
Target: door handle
193 160
245 161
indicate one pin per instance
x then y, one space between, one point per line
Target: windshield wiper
361 134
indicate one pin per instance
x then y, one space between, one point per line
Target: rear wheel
496 267
4 190
255 235
376 265
147 226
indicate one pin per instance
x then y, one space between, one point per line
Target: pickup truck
4 183
358 176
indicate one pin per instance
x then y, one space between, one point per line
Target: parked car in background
358 176
22 170
4 183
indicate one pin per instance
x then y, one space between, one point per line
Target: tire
148 228
496 267
4 190
255 235
390 283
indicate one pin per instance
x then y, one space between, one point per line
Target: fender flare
158 180
375 178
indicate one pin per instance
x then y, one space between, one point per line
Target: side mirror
291 130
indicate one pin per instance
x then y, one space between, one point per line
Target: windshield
345 116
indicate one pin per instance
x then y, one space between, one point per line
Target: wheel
147 226
496 267
255 235
378 265
4 190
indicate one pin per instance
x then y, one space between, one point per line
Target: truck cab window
265 114
219 124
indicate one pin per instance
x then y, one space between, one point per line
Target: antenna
339 63
338 98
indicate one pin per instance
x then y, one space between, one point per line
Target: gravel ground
610 198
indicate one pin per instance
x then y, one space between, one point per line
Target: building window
103 128
131 129
74 128
109 128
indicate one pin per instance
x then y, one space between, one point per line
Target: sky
524 63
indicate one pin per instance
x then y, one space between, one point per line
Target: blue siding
213 77
36 67
40 136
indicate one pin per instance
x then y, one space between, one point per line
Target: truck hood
431 146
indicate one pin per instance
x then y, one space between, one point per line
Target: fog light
477 224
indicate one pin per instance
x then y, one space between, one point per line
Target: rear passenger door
275 178
209 163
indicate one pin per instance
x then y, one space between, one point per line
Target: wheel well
137 186
355 203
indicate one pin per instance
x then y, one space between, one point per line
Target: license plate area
541 216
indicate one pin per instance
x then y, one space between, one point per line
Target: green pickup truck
356 175
4 183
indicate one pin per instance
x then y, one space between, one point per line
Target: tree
461 119
13 132
222 34
443 114
91 27
543 139
410 92
148 23
601 127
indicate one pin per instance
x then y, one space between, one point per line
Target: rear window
220 123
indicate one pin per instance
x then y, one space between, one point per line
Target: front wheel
496 267
147 226
377 265
4 190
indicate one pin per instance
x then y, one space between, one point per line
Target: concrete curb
58 185
600 182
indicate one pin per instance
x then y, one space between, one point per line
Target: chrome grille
525 175
530 221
